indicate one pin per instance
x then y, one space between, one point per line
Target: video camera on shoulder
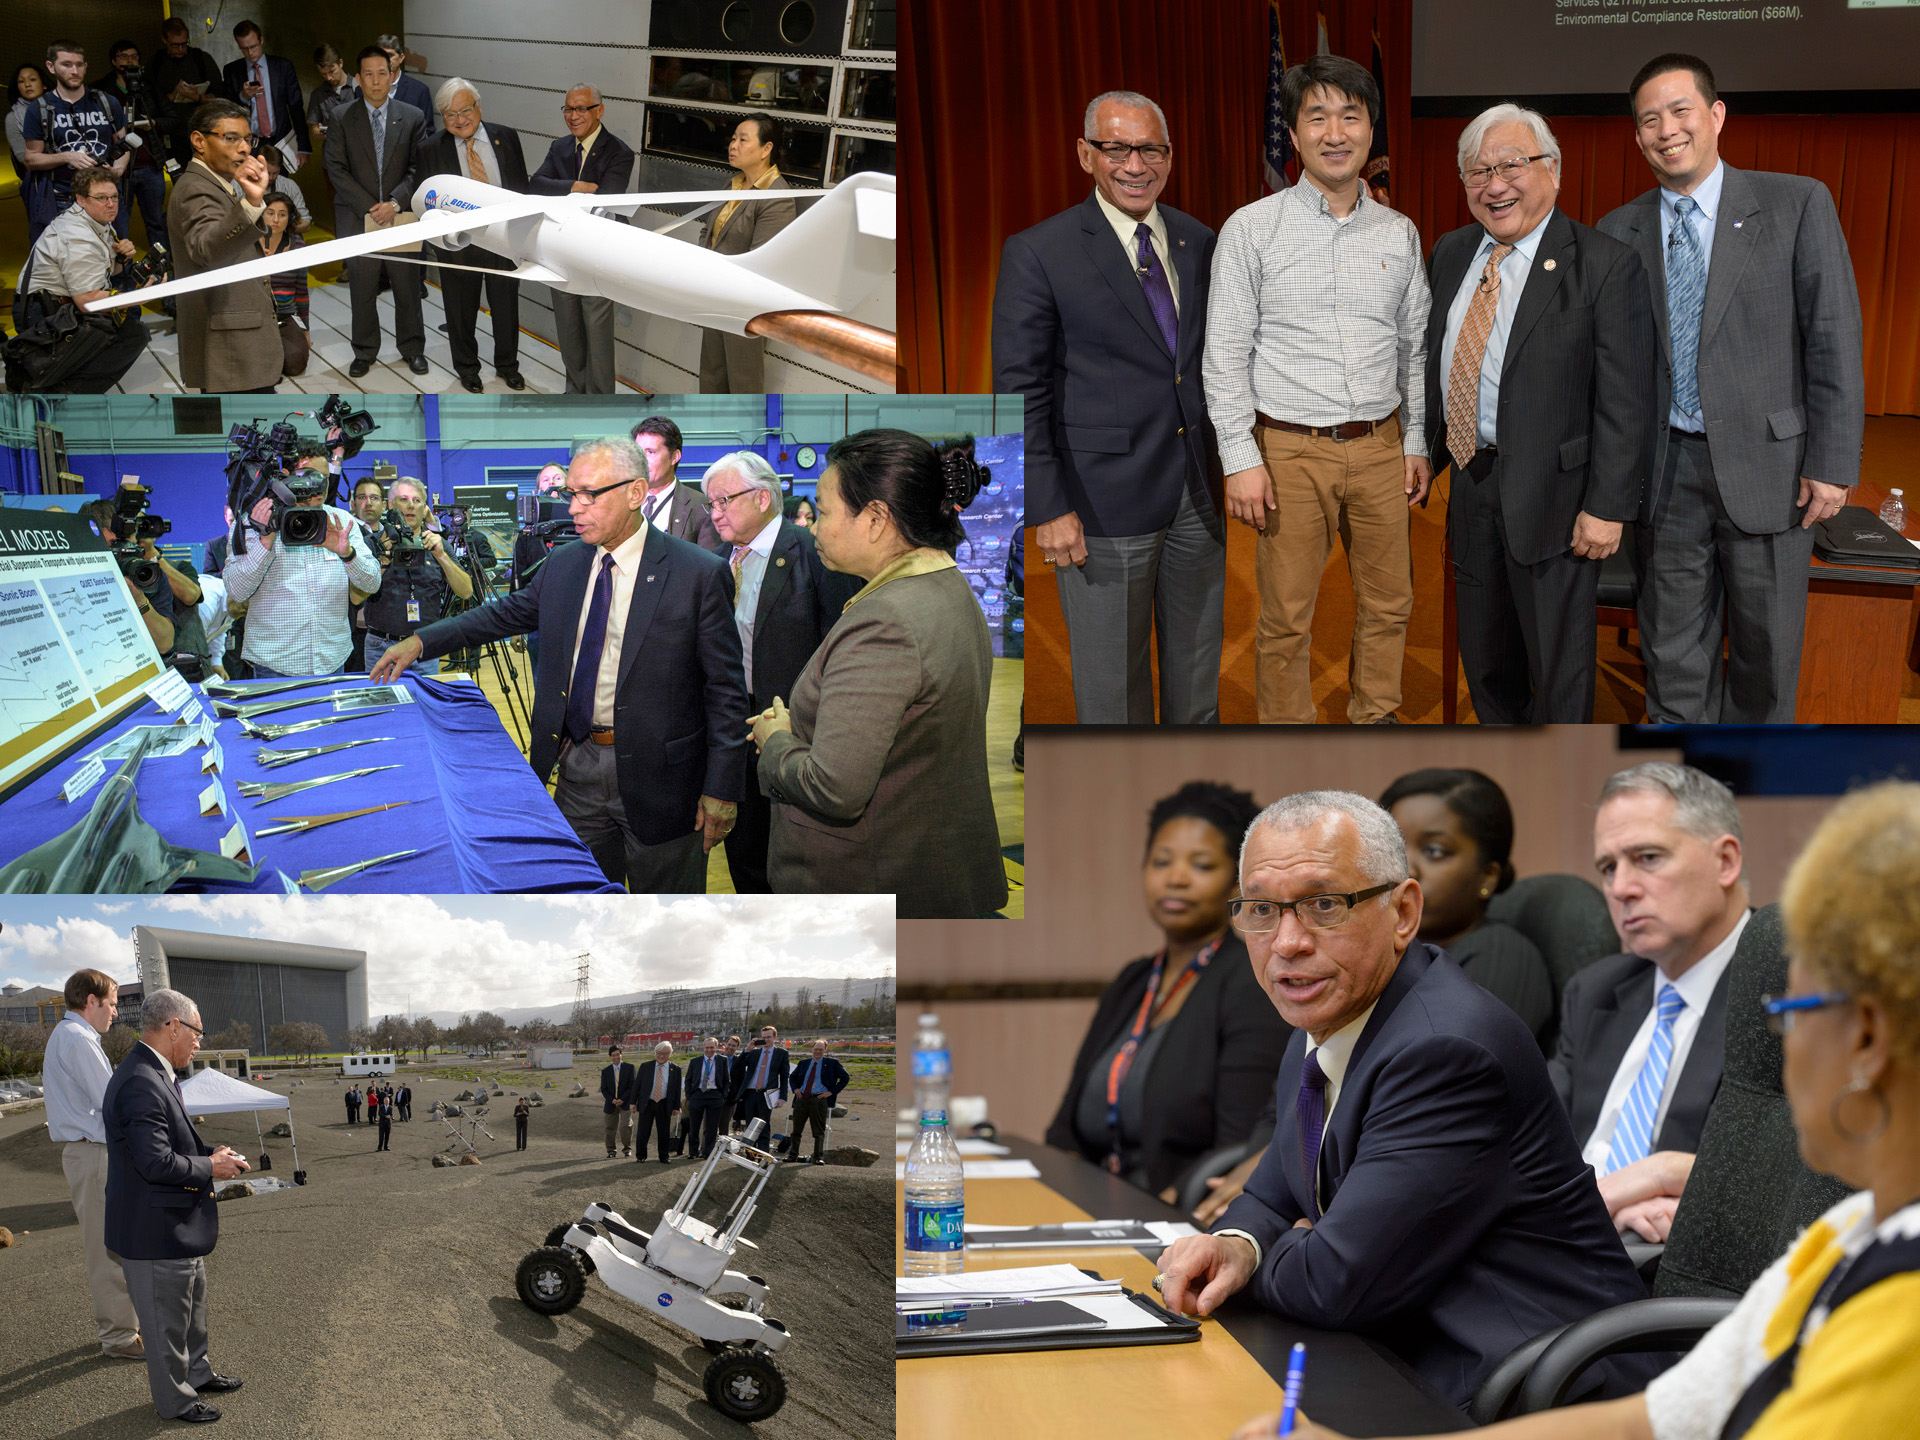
263 465
395 535
354 425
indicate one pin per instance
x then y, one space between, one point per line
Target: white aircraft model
824 284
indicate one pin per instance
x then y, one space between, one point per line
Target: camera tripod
497 653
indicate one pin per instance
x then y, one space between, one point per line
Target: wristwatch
145 608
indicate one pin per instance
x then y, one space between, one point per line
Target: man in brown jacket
229 337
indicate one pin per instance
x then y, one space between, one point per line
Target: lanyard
1123 1062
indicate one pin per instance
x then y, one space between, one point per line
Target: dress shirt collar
381 108
1315 199
165 1064
1696 986
626 556
1337 1049
1128 228
585 142
1526 245
1706 194
762 544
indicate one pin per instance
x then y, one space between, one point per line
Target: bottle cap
929 1020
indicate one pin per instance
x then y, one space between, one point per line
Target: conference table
1198 1391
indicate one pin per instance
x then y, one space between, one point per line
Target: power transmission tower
582 974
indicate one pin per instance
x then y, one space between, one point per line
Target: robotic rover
679 1273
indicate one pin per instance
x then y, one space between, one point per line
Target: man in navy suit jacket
258 76
817 1083
616 1089
1423 1186
656 1116
653 757
1101 330
161 1219
709 1090
757 1072
589 157
467 145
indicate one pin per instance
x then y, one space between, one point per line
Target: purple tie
1311 1107
1153 279
586 669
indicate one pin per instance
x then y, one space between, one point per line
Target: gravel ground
379 1299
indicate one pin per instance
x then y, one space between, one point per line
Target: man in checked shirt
297 596
1315 373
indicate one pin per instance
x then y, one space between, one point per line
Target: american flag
1279 147
1378 172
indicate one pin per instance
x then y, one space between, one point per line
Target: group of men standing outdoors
1688 375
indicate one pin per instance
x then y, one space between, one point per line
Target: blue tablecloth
480 820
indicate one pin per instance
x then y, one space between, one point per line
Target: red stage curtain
995 91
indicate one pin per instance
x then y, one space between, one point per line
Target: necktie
1153 279
659 1081
1686 294
1633 1132
579 159
262 120
1463 381
813 1082
760 1075
706 1076
654 502
380 137
1311 1107
475 167
586 668
739 558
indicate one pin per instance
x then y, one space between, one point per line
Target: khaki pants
622 1121
86 1167
1357 490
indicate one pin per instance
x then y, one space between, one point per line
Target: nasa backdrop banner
993 530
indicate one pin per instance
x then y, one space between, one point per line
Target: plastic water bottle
932 1067
936 1199
1893 510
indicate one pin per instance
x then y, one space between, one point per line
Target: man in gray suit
672 505
1761 396
370 159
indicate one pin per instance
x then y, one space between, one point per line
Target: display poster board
492 512
74 653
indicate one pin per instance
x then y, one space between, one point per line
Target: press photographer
127 83
294 562
417 574
78 258
229 335
167 595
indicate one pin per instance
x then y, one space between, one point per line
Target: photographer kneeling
76 260
296 595
416 574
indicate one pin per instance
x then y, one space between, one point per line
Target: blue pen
1296 1372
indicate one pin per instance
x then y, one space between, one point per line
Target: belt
1686 434
1352 430
602 737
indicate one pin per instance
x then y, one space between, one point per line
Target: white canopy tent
214 1092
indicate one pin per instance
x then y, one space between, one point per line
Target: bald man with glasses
591 159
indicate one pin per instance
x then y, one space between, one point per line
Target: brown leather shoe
135 1349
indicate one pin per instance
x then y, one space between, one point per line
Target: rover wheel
551 1280
558 1233
744 1386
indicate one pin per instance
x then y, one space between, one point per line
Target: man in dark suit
1539 392
1643 1034
672 505
760 1071
353 1105
817 1084
372 159
784 600
405 86
1422 1187
1760 405
709 1081
490 154
161 1218
588 158
730 1052
1099 320
656 1091
266 87
642 703
403 1102
385 1109
616 1089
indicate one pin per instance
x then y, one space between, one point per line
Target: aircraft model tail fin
840 250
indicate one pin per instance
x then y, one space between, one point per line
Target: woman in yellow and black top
736 364
1825 1345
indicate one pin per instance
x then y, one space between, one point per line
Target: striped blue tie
1633 1132
1686 295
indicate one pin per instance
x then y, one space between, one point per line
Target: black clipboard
1172 1330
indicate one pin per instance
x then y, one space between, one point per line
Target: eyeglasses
1508 170
1117 151
1318 912
578 109
1782 1010
197 1031
462 113
569 495
720 502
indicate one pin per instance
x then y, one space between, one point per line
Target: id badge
413 612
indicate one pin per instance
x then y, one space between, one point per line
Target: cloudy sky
461 952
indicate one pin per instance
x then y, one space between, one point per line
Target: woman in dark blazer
1185 1042
878 772
736 364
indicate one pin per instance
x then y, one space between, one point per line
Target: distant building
260 983
38 1006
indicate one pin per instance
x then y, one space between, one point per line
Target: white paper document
1032 1282
985 1170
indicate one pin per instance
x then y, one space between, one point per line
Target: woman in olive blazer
736 364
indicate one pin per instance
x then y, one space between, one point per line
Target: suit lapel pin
1550 264
649 579
779 559
1738 223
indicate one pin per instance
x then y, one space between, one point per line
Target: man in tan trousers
1315 373
74 1075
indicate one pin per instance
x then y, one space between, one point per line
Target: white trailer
367 1064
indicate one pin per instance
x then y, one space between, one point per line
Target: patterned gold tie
1463 381
739 558
475 167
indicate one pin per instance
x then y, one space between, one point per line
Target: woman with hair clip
1459 832
878 772
1180 1057
736 364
